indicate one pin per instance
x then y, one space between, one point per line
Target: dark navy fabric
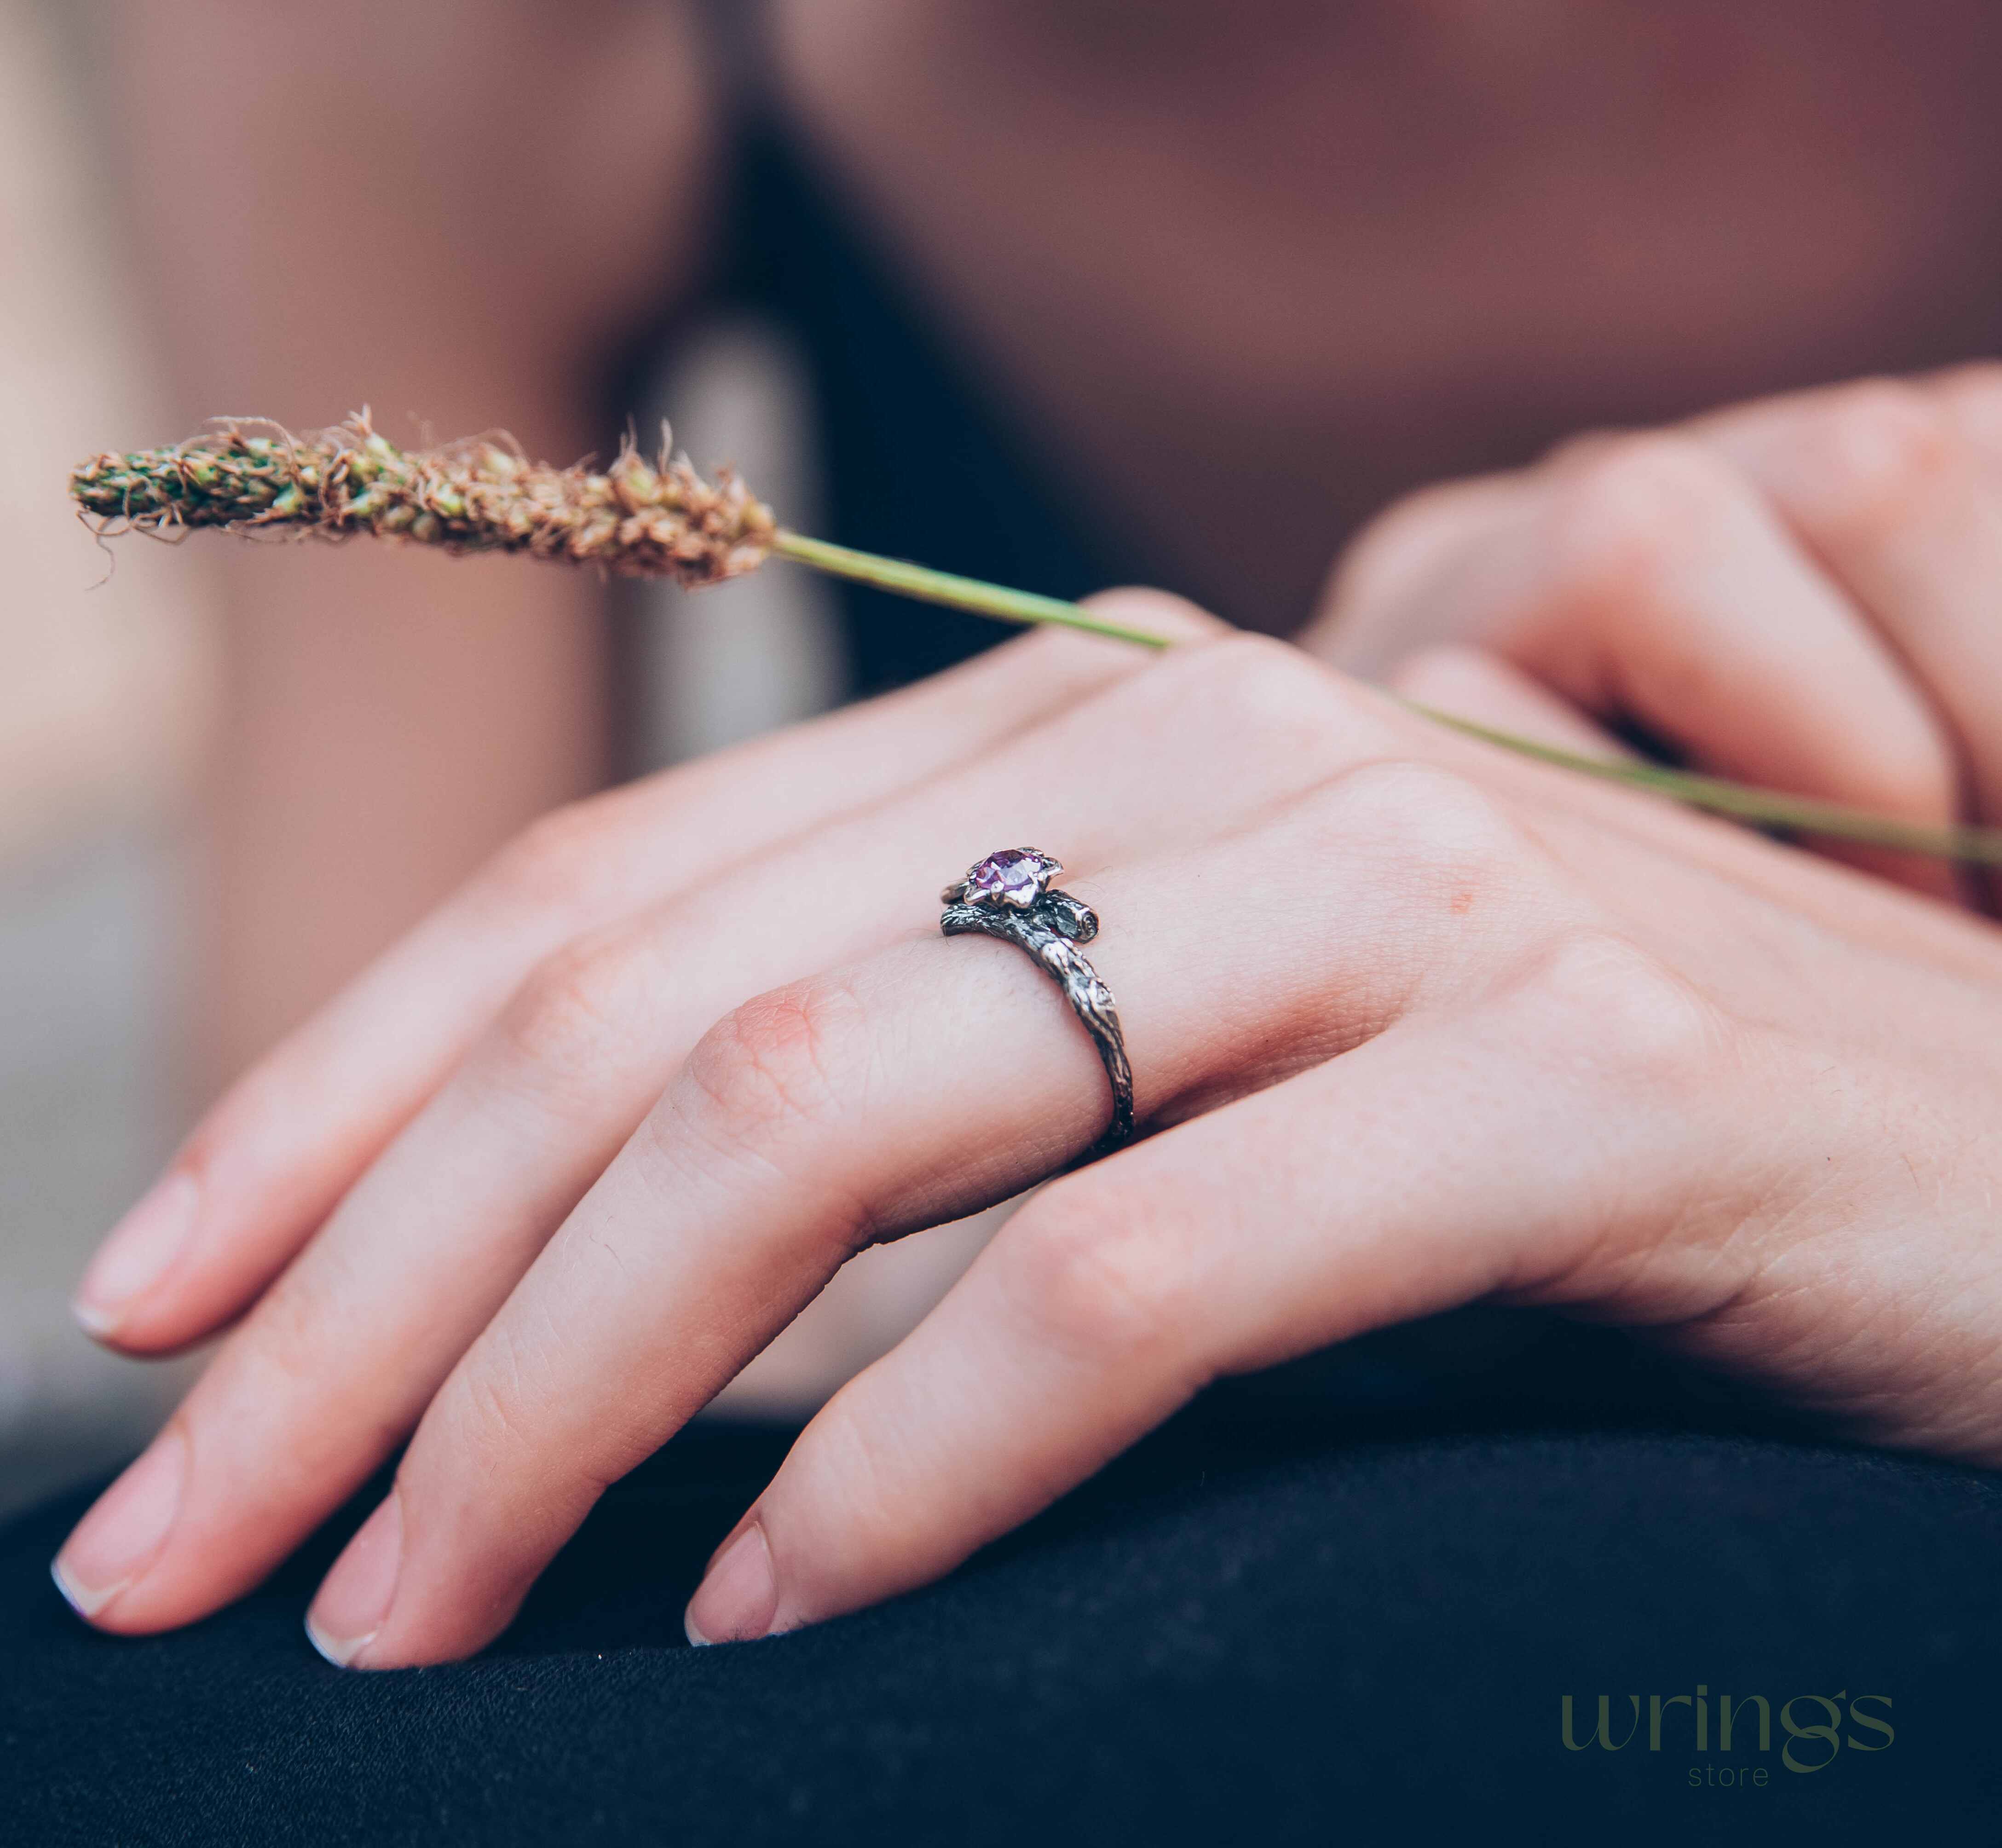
1267 1624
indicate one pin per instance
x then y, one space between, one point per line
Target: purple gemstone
1014 876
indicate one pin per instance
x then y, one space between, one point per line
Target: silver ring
1009 895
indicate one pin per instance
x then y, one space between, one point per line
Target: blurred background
113 676
105 698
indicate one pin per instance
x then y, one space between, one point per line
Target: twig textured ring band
1009 895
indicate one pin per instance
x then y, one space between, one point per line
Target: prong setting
1013 879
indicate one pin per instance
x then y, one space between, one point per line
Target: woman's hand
1414 1023
1804 592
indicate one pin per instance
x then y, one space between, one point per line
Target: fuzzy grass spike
639 518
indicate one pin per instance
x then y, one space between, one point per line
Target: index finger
272 1158
933 1079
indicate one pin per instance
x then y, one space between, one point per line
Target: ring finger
339 1357
931 1078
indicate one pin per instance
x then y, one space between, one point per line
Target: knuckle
1093 1275
1383 554
274 1373
496 1415
1429 823
769 1070
560 1023
1161 612
1440 868
282 1345
1876 451
1389 578
1972 394
1267 697
491 1405
554 860
1622 1017
852 1461
1627 515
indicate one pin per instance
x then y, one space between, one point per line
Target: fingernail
738 1596
355 1597
140 1248
118 1539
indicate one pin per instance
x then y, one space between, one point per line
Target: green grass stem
1715 795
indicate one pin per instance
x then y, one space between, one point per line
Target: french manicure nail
118 1539
738 1596
139 1250
355 1597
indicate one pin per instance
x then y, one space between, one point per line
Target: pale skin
543 1181
535 1186
1790 592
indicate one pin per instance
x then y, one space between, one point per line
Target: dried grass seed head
638 518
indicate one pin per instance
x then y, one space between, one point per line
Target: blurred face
1323 205
1255 267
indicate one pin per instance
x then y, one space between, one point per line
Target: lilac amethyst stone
1015 877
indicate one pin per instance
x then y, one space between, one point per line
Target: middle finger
339 1360
931 1078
